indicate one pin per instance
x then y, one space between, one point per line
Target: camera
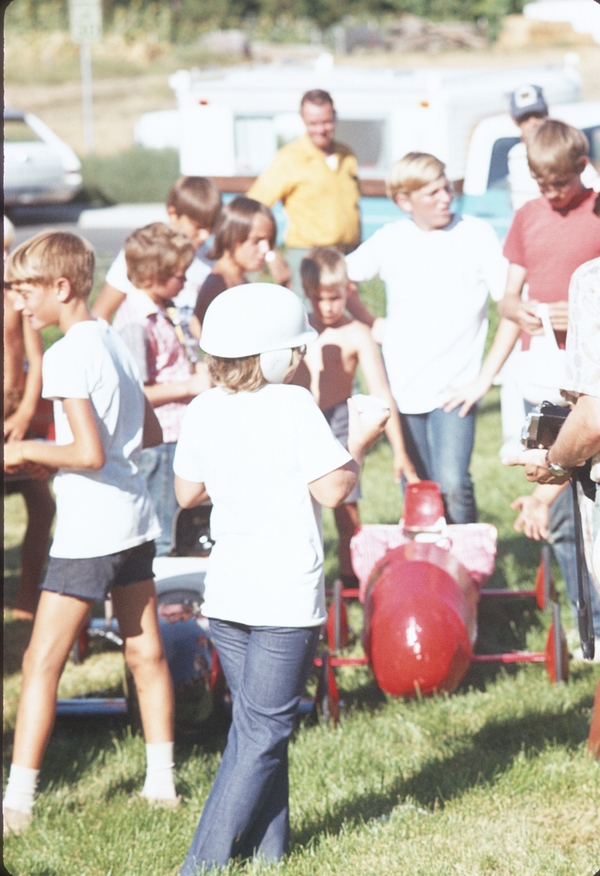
543 425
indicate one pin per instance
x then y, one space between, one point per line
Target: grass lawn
490 781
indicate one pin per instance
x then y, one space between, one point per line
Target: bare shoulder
361 334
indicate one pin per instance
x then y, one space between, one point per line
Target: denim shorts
94 577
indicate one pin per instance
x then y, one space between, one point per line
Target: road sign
85 20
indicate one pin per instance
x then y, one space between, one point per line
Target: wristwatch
557 470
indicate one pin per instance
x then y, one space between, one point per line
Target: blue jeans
561 535
247 810
440 447
561 529
156 464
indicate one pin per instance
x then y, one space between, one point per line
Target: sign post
85 20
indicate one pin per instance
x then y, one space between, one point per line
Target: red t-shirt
551 244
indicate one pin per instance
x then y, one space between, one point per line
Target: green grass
490 781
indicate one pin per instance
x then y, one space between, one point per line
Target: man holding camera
579 438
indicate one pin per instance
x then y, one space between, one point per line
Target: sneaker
16 821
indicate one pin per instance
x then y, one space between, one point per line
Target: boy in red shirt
550 237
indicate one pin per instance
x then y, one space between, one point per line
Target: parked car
39 168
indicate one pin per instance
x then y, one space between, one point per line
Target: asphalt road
105 228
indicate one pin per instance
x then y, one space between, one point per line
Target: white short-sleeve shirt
256 452
437 285
106 511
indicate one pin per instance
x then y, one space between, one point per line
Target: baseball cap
527 99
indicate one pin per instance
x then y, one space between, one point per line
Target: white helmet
257 318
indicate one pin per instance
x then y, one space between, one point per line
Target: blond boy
438 268
102 419
328 371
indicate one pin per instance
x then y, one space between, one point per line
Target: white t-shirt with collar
256 452
437 285
106 511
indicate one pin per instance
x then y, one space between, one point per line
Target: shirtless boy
329 368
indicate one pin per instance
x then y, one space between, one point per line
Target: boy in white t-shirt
266 456
192 208
439 269
105 520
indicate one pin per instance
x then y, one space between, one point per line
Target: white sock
20 790
159 782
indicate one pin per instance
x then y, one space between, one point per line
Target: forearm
331 489
505 338
163 393
190 494
579 437
54 456
33 380
355 306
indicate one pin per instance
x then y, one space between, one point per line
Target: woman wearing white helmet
264 453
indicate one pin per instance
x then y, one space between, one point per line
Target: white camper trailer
230 122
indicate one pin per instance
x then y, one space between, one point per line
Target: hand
200 380
536 467
533 519
39 472
16 426
364 428
527 319
403 466
559 315
14 458
378 329
279 269
466 396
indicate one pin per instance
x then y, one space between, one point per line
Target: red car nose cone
423 506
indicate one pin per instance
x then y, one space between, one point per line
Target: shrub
136 176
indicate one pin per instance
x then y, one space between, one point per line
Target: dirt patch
118 102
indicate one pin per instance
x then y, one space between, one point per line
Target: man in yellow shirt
316 178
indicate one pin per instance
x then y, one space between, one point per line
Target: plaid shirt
161 358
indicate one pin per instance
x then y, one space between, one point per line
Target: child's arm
153 433
190 494
17 425
512 305
85 452
363 431
373 369
107 302
466 396
182 391
522 312
356 308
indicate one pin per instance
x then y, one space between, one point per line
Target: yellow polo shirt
321 203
